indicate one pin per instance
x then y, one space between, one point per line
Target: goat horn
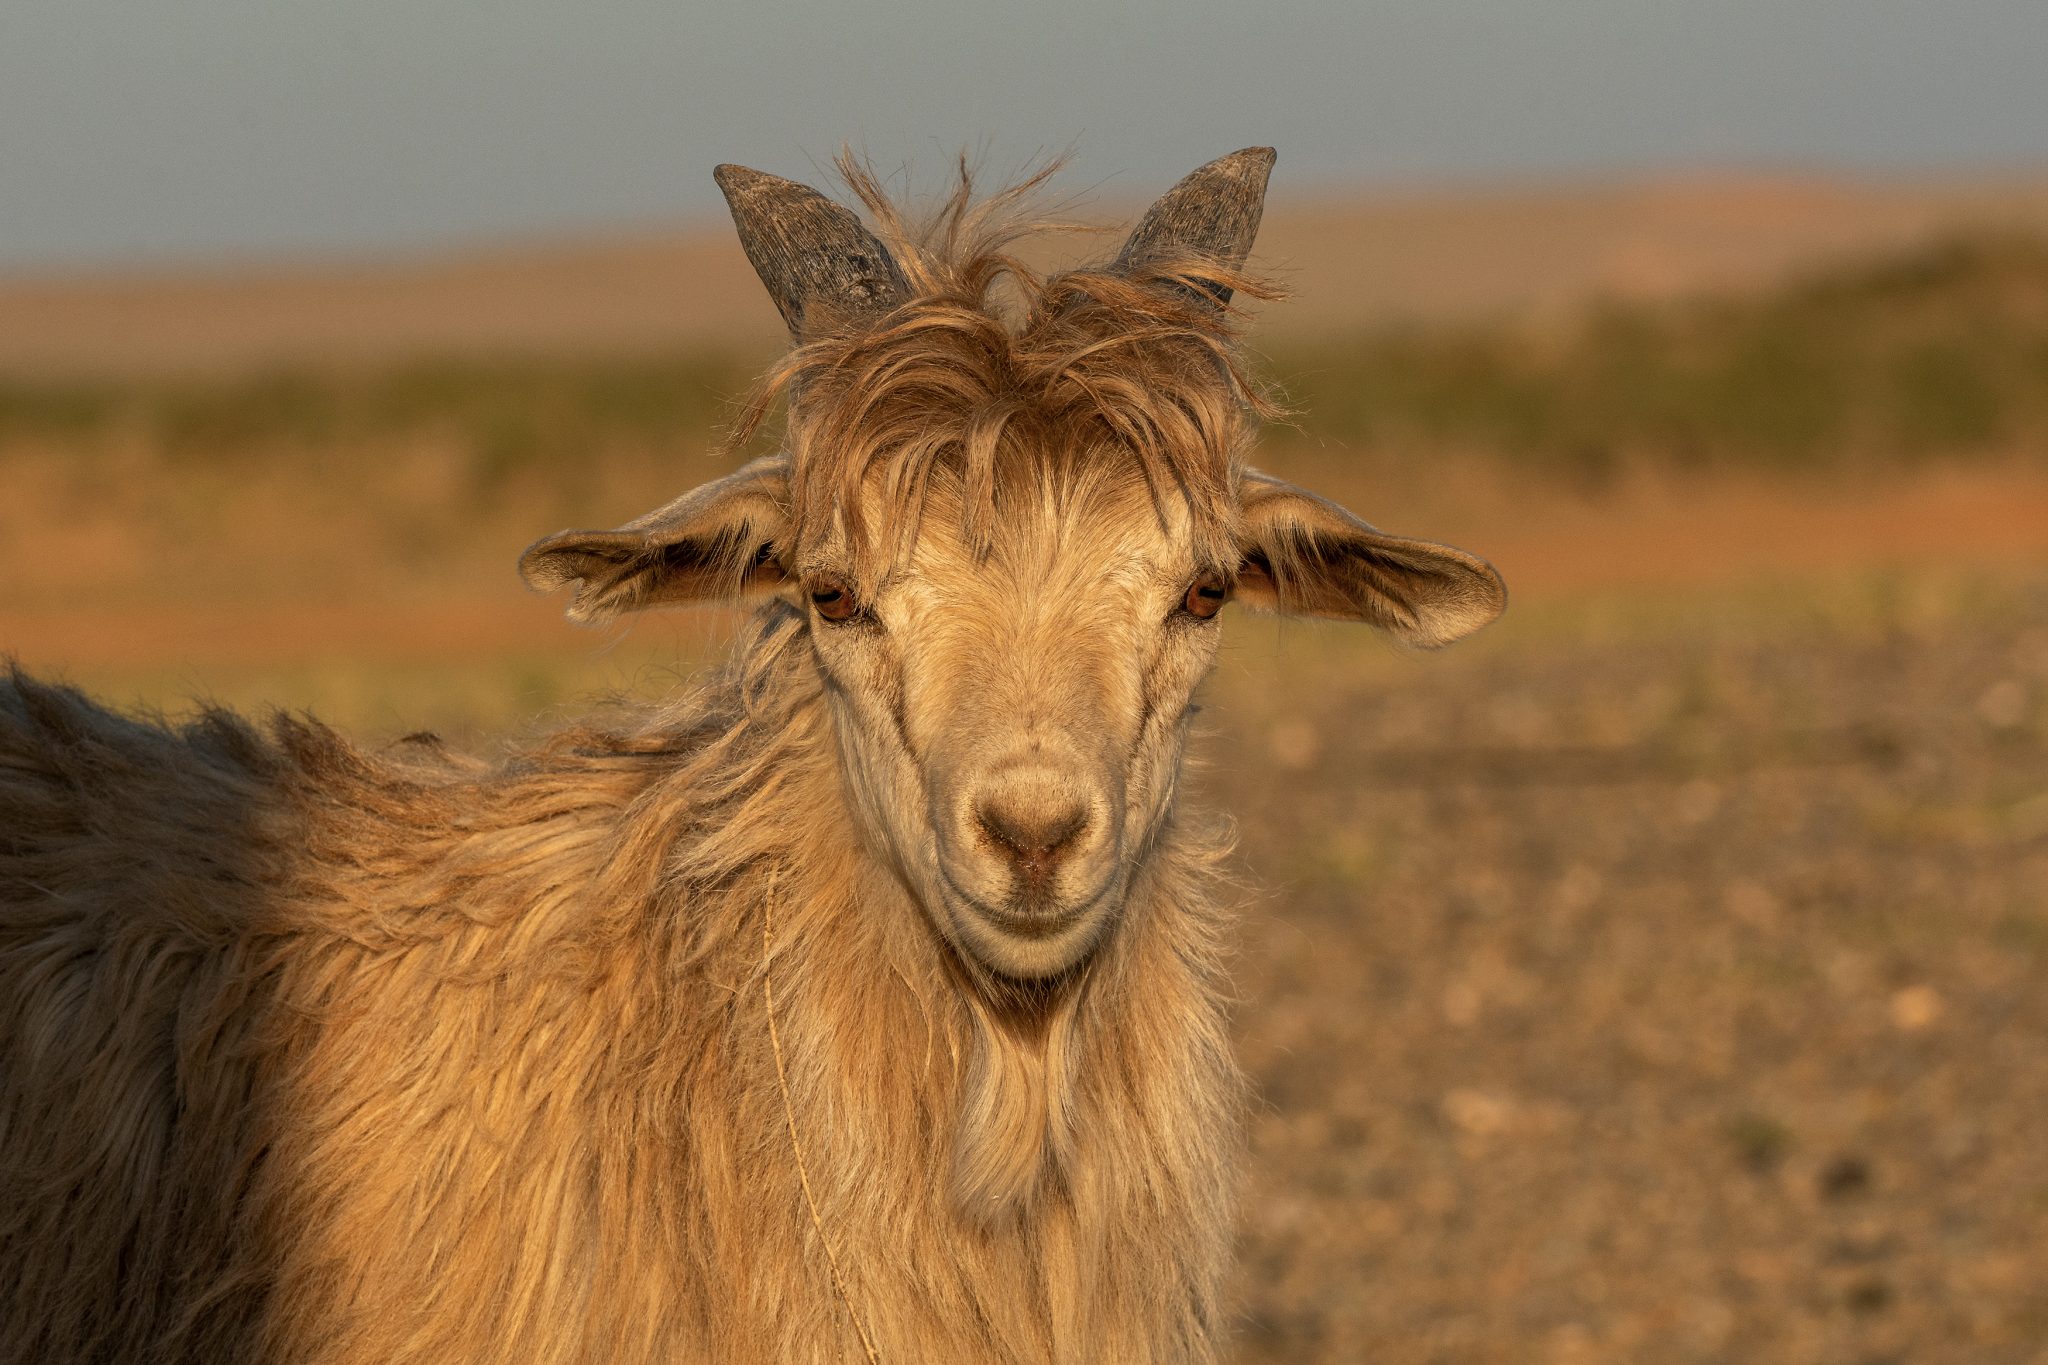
1213 212
808 250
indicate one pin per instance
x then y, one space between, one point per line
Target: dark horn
1213 212
810 252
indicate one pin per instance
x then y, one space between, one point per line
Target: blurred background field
1656 977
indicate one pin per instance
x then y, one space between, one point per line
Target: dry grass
1940 353
1471 251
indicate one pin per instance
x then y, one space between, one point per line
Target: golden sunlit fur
316 1055
1014 360
340 1057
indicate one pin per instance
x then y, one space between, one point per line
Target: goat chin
1029 944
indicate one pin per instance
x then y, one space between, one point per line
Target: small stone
1520 719
1295 745
1698 800
1760 1142
2003 705
1476 1112
1844 1178
1578 889
1915 1007
1871 1294
1750 903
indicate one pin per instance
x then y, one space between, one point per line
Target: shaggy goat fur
1089 360
648 1044
309 1054
319 1056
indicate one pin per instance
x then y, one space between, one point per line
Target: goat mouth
1025 948
1032 923
1024 916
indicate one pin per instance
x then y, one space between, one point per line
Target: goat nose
1034 830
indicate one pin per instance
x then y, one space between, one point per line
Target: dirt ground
1661 984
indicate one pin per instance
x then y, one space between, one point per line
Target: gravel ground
1662 989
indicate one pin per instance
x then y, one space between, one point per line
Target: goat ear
715 543
1306 556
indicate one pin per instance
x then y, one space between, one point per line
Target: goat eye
1206 596
834 600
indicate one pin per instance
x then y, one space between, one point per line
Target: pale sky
143 130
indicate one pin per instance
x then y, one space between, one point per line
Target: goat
867 1002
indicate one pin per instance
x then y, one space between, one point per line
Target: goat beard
1017 1129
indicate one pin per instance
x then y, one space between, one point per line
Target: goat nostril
1034 840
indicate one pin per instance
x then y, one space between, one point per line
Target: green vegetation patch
511 414
1939 352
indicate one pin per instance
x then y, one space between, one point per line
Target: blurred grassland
1938 353
342 538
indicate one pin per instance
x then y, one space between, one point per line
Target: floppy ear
714 543
1306 556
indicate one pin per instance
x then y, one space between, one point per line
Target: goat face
1011 706
1011 714
1009 610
